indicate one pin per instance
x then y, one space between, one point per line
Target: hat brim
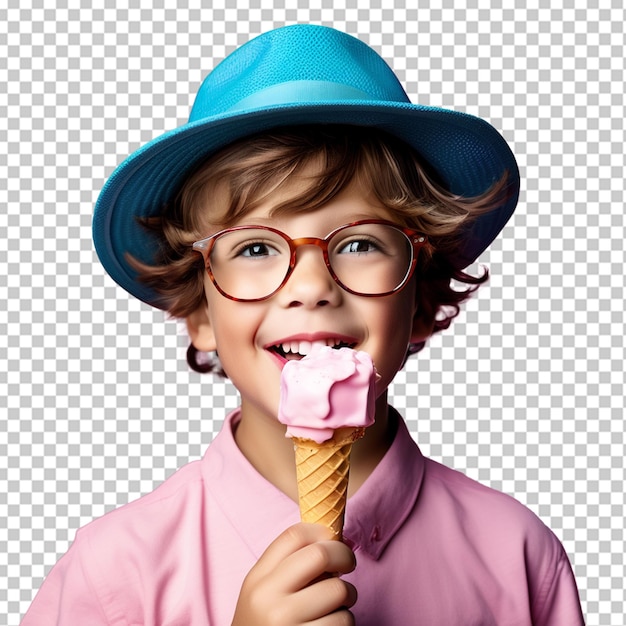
467 153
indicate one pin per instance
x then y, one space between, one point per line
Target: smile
298 348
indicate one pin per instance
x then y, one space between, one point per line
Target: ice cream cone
327 400
323 470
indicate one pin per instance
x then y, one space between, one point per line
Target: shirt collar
379 508
258 511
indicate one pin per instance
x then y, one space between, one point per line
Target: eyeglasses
367 258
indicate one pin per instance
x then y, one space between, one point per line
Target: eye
362 245
255 250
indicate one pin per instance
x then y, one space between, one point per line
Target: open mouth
297 349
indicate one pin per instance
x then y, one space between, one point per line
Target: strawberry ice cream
327 400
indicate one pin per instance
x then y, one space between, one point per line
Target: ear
200 330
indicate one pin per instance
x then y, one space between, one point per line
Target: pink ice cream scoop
327 399
327 390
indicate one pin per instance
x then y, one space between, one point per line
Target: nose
310 284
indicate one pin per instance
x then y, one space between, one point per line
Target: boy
304 139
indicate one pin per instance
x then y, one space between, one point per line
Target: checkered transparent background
525 392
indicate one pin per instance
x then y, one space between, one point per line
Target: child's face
310 306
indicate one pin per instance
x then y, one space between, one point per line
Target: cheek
232 327
228 321
232 341
398 314
235 326
391 323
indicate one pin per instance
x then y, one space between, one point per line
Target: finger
323 598
314 560
339 618
290 541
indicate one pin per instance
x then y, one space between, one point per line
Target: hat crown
299 63
296 75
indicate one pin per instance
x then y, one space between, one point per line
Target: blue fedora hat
301 74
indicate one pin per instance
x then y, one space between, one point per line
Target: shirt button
375 536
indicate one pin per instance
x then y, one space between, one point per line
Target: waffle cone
322 471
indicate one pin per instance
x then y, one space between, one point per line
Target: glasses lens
370 259
249 263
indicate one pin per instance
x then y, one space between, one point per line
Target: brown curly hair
240 177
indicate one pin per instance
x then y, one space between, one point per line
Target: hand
296 581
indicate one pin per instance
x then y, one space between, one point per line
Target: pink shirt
433 548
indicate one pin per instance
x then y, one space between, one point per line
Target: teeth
305 347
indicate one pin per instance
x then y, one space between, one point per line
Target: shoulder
137 556
117 564
477 504
148 519
134 547
510 539
492 522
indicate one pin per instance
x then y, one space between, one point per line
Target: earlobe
200 330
